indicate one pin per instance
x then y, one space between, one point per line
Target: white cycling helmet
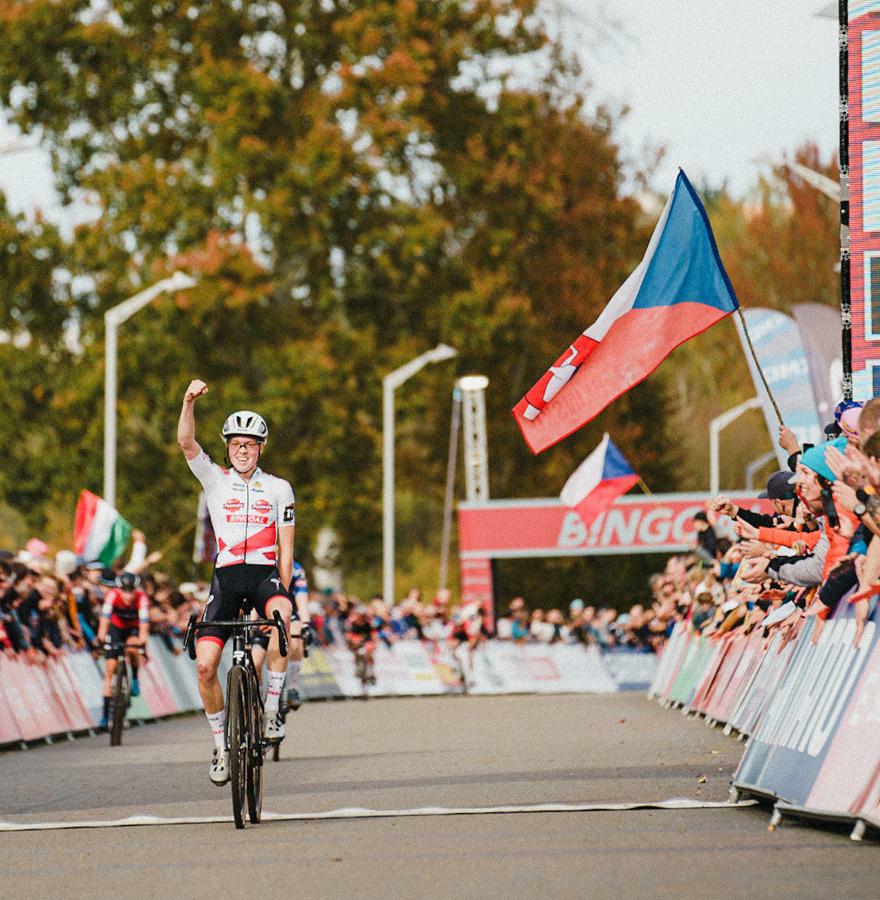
246 424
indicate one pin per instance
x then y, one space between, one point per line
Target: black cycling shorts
238 590
117 635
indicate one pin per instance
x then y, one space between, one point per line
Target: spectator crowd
816 546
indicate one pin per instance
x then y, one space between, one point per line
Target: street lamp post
715 428
390 383
113 318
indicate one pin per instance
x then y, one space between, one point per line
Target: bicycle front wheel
237 741
255 764
120 702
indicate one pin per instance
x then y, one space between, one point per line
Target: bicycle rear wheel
120 702
255 765
237 741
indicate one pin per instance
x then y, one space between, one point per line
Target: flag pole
742 319
643 486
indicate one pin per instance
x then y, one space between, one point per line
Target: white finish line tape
359 813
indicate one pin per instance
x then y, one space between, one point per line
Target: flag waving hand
677 291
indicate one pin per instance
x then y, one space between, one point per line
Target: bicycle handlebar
110 646
236 625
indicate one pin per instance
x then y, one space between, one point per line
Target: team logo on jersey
288 517
233 505
262 506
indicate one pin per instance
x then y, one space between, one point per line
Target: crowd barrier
63 696
810 708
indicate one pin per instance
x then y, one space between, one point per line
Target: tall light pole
715 428
113 318
390 383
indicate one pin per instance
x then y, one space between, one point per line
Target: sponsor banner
707 681
790 745
631 670
744 658
179 672
9 730
778 345
497 668
65 688
341 661
35 712
89 681
853 759
867 807
446 668
155 690
670 661
659 523
316 681
762 685
416 671
40 673
698 655
819 326
506 668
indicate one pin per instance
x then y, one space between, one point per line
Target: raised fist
196 388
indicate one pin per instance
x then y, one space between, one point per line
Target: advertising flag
779 347
99 532
598 481
677 291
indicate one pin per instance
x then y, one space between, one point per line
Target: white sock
217 721
274 685
293 673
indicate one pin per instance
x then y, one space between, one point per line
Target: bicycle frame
244 720
120 690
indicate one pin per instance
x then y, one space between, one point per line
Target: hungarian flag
99 532
677 291
598 481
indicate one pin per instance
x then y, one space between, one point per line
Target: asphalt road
400 754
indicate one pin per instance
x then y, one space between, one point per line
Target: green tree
352 182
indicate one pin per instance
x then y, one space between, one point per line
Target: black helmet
127 581
107 577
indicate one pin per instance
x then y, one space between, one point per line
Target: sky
727 87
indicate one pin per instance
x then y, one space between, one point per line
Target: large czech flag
598 481
678 290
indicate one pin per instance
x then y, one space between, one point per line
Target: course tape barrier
680 803
64 696
809 704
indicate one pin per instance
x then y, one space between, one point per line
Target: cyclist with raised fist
253 515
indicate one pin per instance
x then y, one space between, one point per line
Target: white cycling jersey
245 514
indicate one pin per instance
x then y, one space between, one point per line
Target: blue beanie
814 458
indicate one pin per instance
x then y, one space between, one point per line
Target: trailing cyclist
253 515
125 620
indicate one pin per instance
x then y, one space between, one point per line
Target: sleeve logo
288 517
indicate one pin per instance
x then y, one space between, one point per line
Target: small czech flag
598 481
